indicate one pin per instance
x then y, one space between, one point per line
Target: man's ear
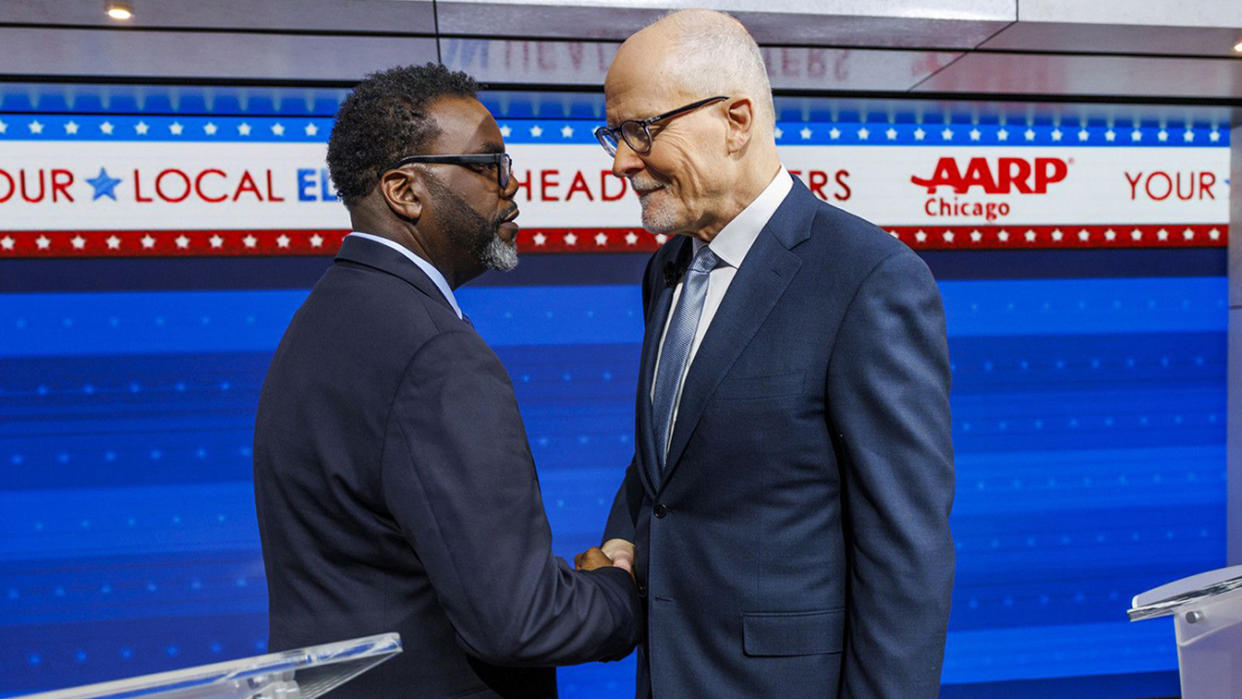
403 191
740 113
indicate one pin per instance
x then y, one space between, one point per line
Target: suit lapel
766 272
372 254
661 301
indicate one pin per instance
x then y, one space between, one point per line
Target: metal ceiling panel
883 23
388 16
1090 76
1155 13
217 55
585 63
1121 39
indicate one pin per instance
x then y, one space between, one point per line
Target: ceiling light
119 10
1238 47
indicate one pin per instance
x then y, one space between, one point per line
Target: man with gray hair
787 506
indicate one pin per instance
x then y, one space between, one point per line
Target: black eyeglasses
637 132
501 161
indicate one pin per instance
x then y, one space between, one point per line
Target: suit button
642 590
660 510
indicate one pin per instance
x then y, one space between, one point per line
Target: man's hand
621 552
616 552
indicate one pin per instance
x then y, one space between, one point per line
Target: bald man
787 507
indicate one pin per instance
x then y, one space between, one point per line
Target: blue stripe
311 129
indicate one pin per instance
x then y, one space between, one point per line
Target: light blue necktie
677 342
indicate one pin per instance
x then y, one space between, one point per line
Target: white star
780 133
1083 134
35 126
71 127
78 242
1029 134
891 134
6 242
216 241
919 133
148 241
834 133
1084 235
114 243
316 240
1214 136
278 129
1110 135
975 236
540 239
42 242
505 131
661 238
1136 234
210 129
1163 135
106 127
182 241
920 236
1002 235
805 133
948 236
1057 234
1030 236
1188 234
894 234
175 128
1214 234
975 134
567 131
311 130
3 126
1188 136
1136 135
947 134
1056 134
243 129
631 238
249 241
1162 234
571 239
601 239
1110 235
536 131
864 133
141 128
1002 135
282 240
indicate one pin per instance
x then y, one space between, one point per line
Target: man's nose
625 162
511 188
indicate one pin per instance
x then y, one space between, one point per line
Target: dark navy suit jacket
797 543
396 492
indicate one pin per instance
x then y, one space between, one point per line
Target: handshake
618 553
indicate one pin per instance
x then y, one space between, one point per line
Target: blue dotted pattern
1089 423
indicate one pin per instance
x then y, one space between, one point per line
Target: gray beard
481 237
499 255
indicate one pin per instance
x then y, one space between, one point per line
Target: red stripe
273 243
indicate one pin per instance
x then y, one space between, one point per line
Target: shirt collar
428 268
735 240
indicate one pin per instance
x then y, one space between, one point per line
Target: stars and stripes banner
143 186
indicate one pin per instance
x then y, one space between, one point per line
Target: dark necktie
677 343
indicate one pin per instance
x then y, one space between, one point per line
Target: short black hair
384 119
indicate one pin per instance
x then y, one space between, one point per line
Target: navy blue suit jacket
797 543
396 492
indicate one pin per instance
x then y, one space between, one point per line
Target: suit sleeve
888 390
459 479
624 514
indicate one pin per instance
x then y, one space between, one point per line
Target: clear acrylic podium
303 673
1207 617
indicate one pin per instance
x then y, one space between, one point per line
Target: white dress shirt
436 278
731 245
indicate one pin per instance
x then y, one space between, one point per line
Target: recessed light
119 10
1238 47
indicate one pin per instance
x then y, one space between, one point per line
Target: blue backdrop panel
1088 418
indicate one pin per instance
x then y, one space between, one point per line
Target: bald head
698 53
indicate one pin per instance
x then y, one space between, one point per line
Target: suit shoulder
854 238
